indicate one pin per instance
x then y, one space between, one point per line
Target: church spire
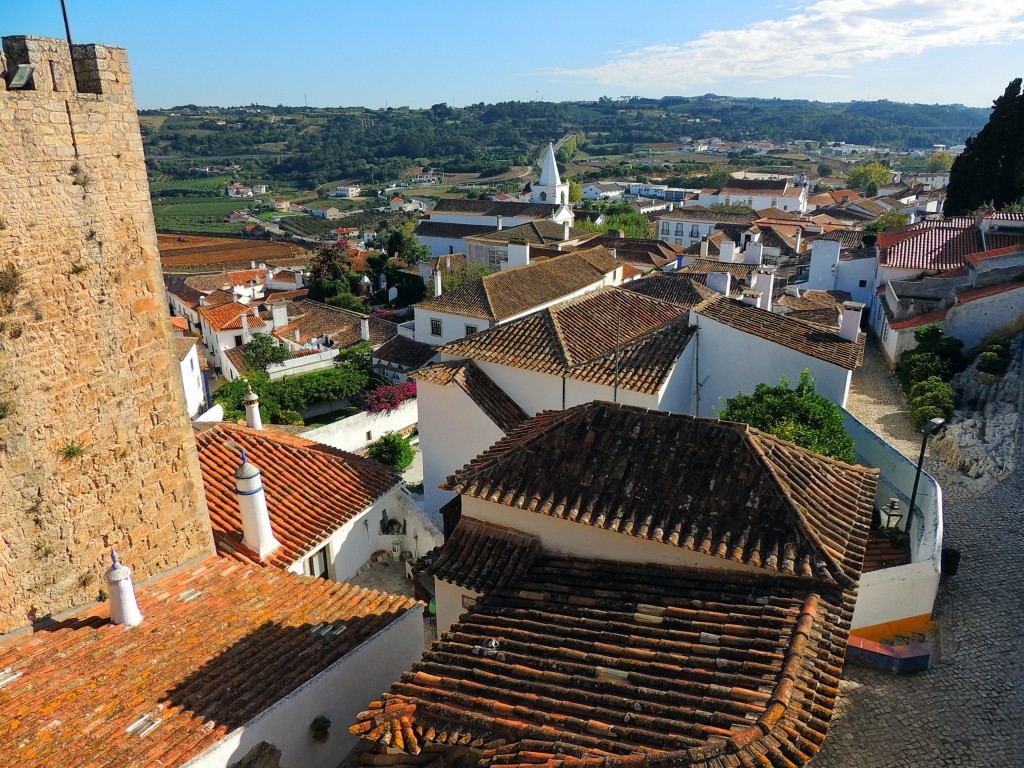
549 169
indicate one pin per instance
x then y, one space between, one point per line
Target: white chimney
727 251
123 607
501 222
279 314
202 300
298 335
752 297
448 259
849 327
252 265
754 253
257 534
565 230
270 275
253 419
720 282
764 282
364 328
704 247
245 327
437 283
518 254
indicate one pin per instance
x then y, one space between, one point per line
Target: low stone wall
358 431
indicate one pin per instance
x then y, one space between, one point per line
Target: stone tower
96 449
550 188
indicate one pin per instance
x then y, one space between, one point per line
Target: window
470 329
885 330
369 436
862 284
666 228
775 203
679 241
679 230
191 364
695 231
238 341
543 196
435 327
316 565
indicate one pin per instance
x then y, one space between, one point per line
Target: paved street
968 708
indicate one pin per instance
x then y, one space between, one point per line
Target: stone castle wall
96 449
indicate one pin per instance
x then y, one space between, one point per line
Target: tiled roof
405 352
604 665
228 317
707 266
314 320
847 238
448 262
539 232
511 292
758 186
493 208
814 306
637 250
577 339
186 295
937 244
237 357
481 556
311 489
179 323
299 293
676 288
808 338
698 213
489 397
221 642
961 298
226 280
719 488
449 231
183 345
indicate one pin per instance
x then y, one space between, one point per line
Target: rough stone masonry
95 447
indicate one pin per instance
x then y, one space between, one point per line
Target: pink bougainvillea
388 397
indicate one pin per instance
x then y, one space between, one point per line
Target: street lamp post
930 429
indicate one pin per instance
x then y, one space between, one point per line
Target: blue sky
347 52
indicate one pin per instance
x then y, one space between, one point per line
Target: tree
866 176
452 279
392 449
890 220
263 351
406 246
575 191
939 162
825 170
799 415
991 168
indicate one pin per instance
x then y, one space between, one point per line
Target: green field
310 226
196 215
207 184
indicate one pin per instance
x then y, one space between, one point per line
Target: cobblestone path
968 708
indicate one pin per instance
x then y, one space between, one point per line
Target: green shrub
992 362
291 418
392 449
921 416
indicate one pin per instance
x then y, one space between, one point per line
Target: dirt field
187 252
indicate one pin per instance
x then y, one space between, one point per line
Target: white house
686 226
604 190
503 248
324 212
450 221
329 511
503 296
191 374
758 194
347 190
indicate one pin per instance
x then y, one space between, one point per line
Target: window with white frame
316 565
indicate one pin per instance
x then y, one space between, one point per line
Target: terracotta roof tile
636 250
449 230
221 642
615 665
228 317
510 292
676 288
493 208
707 266
183 345
311 489
939 244
179 323
719 488
814 306
481 556
405 352
577 339
539 232
314 320
808 338
226 280
489 397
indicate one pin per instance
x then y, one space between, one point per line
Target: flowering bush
388 397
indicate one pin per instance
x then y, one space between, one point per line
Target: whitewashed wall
448 603
339 692
192 379
973 321
351 434
453 430
730 361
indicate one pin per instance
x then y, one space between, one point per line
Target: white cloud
822 38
